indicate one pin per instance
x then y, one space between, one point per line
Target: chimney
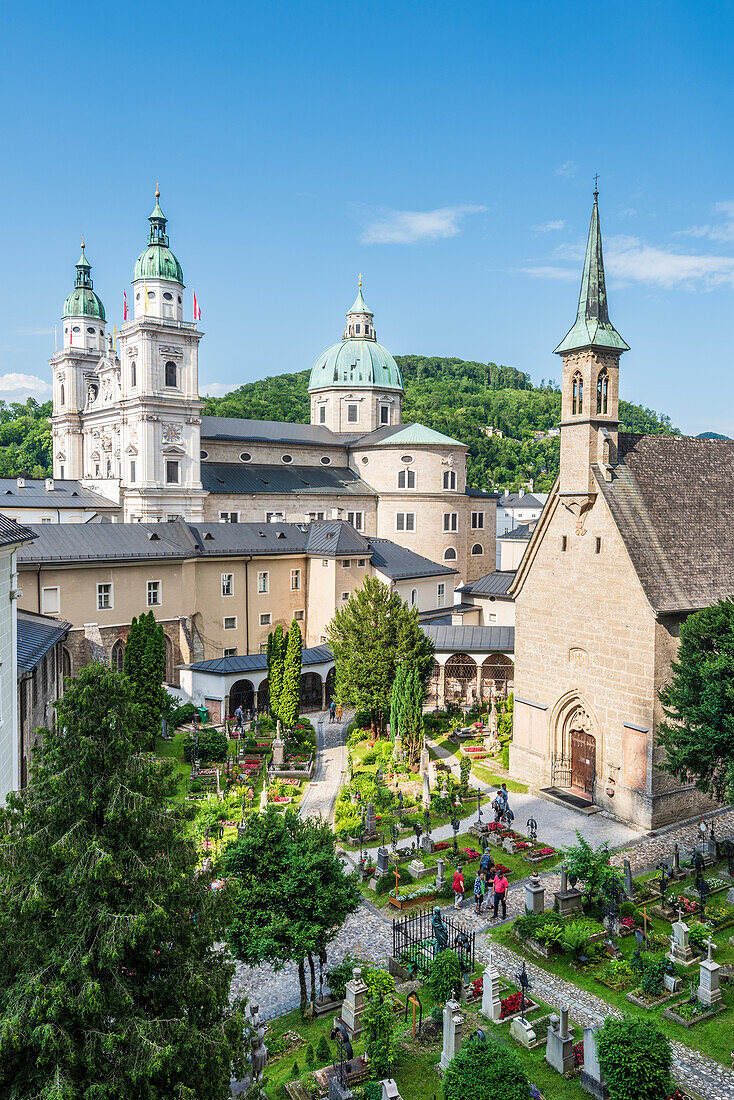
49 484
21 483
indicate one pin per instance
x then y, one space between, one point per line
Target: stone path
331 766
690 1068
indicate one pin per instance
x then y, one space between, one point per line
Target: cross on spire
596 185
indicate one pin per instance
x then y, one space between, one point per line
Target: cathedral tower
356 385
590 393
159 407
74 369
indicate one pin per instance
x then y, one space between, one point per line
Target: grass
487 776
174 750
713 1037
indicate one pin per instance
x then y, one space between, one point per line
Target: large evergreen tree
698 737
276 663
370 636
290 693
111 985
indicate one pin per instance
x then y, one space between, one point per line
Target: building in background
43 661
26 500
12 537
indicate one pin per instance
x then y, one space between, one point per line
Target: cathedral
127 423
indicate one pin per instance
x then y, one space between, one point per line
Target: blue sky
446 150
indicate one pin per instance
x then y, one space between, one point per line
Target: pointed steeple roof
360 306
83 302
593 327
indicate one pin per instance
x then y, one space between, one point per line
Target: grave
629 888
568 897
680 949
592 1078
440 875
390 1090
278 749
522 1031
491 1000
453 1025
428 844
383 862
426 791
534 895
353 1004
559 1044
708 979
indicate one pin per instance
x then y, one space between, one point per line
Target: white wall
9 747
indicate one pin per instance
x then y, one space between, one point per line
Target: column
442 686
323 694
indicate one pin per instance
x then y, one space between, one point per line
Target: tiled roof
12 533
65 494
669 497
250 478
481 494
106 542
471 639
399 563
521 533
258 662
492 584
267 431
37 634
335 537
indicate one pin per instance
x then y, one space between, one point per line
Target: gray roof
12 533
258 662
269 431
37 634
250 478
399 563
668 496
107 542
65 494
520 500
481 493
492 584
521 533
468 639
335 537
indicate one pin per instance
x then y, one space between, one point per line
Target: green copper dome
354 363
157 261
83 302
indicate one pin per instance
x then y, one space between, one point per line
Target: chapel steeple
590 352
360 323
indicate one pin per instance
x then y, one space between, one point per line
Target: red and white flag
124 304
71 338
197 309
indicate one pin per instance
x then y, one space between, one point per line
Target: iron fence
414 932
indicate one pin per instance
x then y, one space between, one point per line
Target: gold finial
157 189
360 280
83 246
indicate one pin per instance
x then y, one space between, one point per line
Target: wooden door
583 760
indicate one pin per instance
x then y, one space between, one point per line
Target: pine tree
108 985
134 649
290 693
275 668
397 702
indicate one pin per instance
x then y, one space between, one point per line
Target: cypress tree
133 649
397 702
290 694
275 671
108 986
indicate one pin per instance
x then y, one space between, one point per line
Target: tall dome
358 361
83 302
157 261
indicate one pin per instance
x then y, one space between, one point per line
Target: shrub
446 890
309 1056
213 746
628 909
465 771
296 1070
444 975
384 884
550 934
437 1015
340 974
635 1058
323 1053
195 786
378 981
576 938
529 927
698 936
652 979
372 1090
481 1070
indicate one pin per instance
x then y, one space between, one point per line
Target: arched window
449 554
109 468
171 374
477 548
602 392
65 662
117 657
578 394
413 597
133 375
449 479
63 399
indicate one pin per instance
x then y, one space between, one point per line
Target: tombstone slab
629 888
491 1000
559 1044
534 895
418 869
440 875
680 949
338 1091
592 1078
383 865
353 1004
568 897
453 1025
390 1090
709 992
428 844
522 1031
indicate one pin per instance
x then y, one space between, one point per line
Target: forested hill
460 399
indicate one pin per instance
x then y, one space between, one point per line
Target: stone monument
708 979
440 875
390 1090
568 897
522 1031
592 1078
680 950
370 824
453 1025
534 895
278 747
426 791
559 1045
353 1004
629 888
491 1006
258 1049
418 868
424 761
383 865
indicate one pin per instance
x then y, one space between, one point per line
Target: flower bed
405 896
510 1006
279 798
690 1013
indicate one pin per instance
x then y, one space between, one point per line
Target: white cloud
14 387
567 169
549 227
216 389
722 230
408 226
35 331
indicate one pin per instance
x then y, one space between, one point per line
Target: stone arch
576 743
330 684
310 691
498 675
460 678
242 694
263 694
434 689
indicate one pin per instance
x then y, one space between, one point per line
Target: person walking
339 712
239 715
486 864
500 894
478 893
458 887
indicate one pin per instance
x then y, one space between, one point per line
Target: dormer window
577 402
602 392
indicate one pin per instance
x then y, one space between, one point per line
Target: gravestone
390 1090
370 824
712 849
418 869
453 1025
424 762
509 846
559 1044
629 888
426 791
339 1091
672 984
428 844
680 949
534 895
353 1004
491 1001
522 1031
568 897
708 979
592 1078
278 749
730 896
440 875
383 865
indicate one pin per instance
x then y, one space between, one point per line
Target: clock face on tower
172 433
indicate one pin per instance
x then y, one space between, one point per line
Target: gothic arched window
170 374
578 394
117 657
602 392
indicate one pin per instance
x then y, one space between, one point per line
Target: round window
179 299
168 296
286 458
365 460
246 456
76 329
325 461
92 330
406 458
203 454
151 294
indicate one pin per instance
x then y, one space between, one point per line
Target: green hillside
460 399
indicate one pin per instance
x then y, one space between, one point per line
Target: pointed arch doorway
582 744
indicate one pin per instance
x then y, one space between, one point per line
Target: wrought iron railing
560 771
415 930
